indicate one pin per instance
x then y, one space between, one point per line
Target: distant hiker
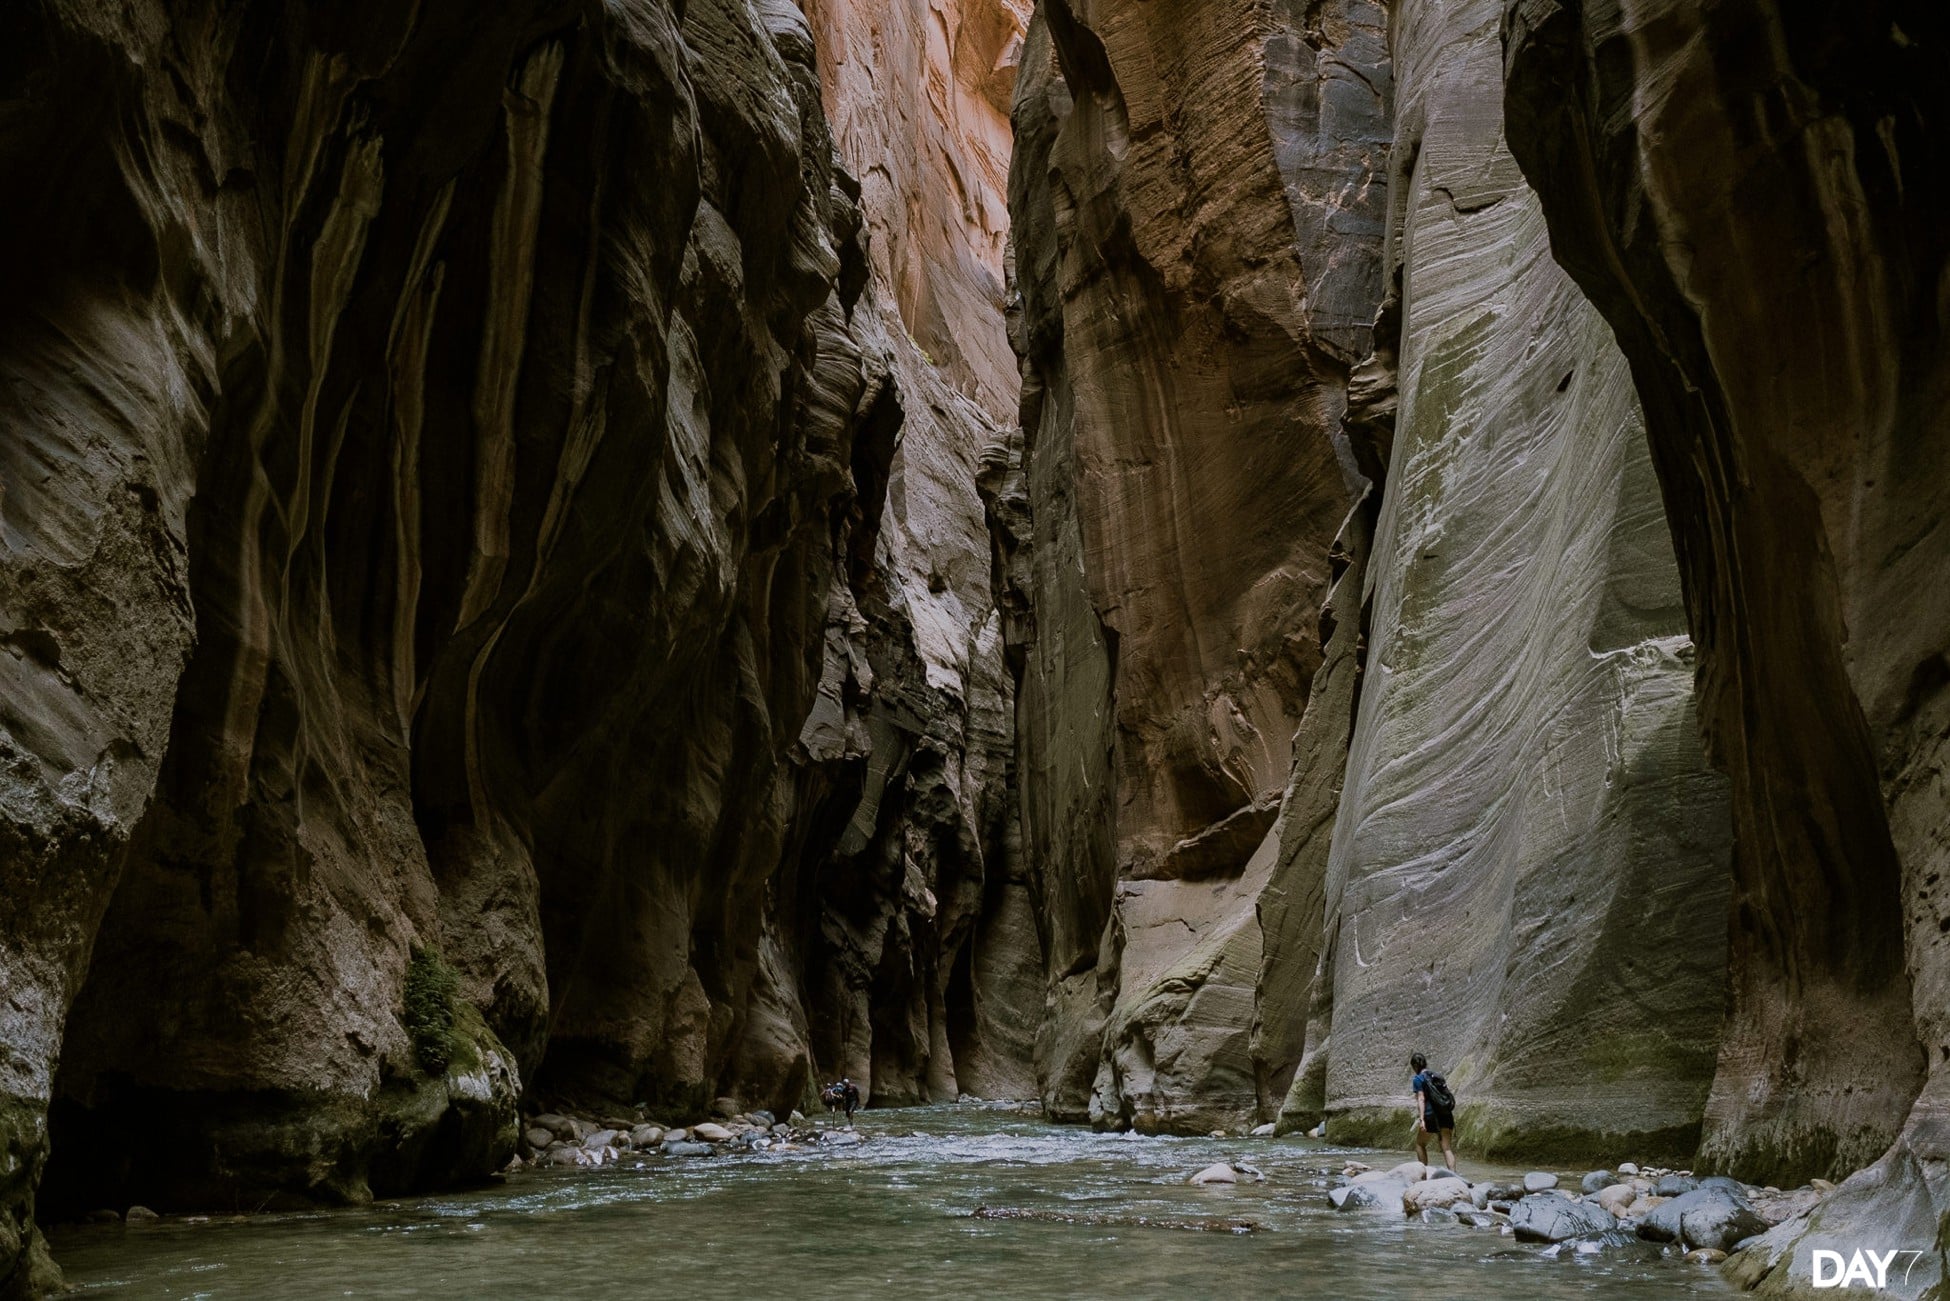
1435 1112
843 1094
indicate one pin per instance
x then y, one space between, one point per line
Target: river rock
1617 1198
1438 1215
140 1215
710 1132
538 1138
797 1119
1674 1185
1706 1255
1553 1217
599 1139
557 1124
762 1119
1219 1173
1704 1217
1727 1182
1386 1197
1265 1131
646 1136
677 1135
1597 1180
841 1138
1538 1181
685 1147
1410 1171
1436 1193
1480 1219
1627 1168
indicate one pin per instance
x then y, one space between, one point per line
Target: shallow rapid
1068 1213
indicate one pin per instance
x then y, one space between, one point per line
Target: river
891 1217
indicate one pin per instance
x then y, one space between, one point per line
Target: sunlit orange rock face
918 95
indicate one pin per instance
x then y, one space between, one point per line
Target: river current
1069 1213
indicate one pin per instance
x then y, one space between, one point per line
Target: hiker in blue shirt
1435 1112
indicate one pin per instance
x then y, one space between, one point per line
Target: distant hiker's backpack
1439 1093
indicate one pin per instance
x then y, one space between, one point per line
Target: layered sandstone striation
1752 194
494 600
1179 462
1529 864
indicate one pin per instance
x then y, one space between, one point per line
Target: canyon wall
496 600
1753 195
1185 365
1529 862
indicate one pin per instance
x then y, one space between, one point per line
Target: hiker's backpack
1439 1093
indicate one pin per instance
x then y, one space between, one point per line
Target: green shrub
431 988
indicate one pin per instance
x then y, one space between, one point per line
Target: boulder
646 1136
140 1215
1539 1181
1265 1131
1479 1196
1433 1193
1627 1168
710 1132
763 1119
1553 1217
1674 1185
686 1148
557 1124
1704 1217
1384 1196
1596 1180
1410 1171
538 1138
1732 1185
600 1139
1617 1198
677 1135
1438 1215
796 1118
1218 1173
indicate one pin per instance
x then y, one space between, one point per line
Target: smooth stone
1617 1198
1627 1168
1384 1197
1675 1185
842 1138
140 1214
1723 1181
1318 1131
1705 1217
797 1119
781 1129
1436 1193
686 1148
1705 1255
1438 1215
1596 1180
538 1137
763 1119
1482 1219
599 1140
1410 1171
1539 1181
724 1107
1221 1173
1553 1217
646 1136
710 1133
677 1136
1479 1197
557 1124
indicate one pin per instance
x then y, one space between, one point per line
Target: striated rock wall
496 599
1752 194
1181 469
1529 862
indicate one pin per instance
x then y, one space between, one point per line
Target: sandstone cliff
1184 376
1529 862
474 623
1752 194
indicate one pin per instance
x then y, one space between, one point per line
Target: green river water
892 1217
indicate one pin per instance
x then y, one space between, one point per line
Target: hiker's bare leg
1422 1144
1449 1148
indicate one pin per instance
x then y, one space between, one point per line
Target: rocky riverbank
1648 1211
554 1138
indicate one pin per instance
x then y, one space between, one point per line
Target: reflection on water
894 1216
